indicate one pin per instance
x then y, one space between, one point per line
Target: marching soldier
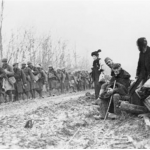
61 79
66 79
10 73
29 78
2 92
52 79
20 82
33 82
41 81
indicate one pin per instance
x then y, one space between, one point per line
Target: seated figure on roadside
117 87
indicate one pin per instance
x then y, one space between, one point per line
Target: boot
102 109
116 98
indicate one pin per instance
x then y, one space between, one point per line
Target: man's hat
50 66
23 63
107 59
15 64
141 42
38 66
29 63
96 53
116 66
4 60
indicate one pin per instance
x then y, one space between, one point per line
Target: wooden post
1 23
131 108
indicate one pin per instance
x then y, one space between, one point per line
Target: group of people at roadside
120 87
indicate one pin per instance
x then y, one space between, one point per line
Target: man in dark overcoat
2 92
52 79
10 73
29 79
33 82
121 79
96 71
143 70
20 82
41 81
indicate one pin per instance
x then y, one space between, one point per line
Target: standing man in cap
10 73
29 79
2 92
143 70
72 82
61 80
66 79
52 79
109 62
33 83
41 81
20 82
121 81
96 71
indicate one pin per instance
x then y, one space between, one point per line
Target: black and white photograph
74 74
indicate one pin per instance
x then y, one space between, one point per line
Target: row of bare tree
26 45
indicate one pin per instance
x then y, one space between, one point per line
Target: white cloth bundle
147 84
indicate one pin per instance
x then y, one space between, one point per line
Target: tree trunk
1 45
135 109
1 23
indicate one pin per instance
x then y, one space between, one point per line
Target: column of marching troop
29 81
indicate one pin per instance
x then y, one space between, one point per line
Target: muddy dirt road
66 121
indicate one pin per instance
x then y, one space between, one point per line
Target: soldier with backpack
9 81
52 79
20 82
29 79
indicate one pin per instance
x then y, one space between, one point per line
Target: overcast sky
111 25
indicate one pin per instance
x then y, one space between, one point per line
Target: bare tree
76 57
1 23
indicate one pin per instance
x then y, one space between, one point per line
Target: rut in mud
67 122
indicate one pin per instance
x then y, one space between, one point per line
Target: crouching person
116 88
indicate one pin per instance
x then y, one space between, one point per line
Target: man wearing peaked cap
33 84
52 79
20 82
109 62
41 81
29 79
121 80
